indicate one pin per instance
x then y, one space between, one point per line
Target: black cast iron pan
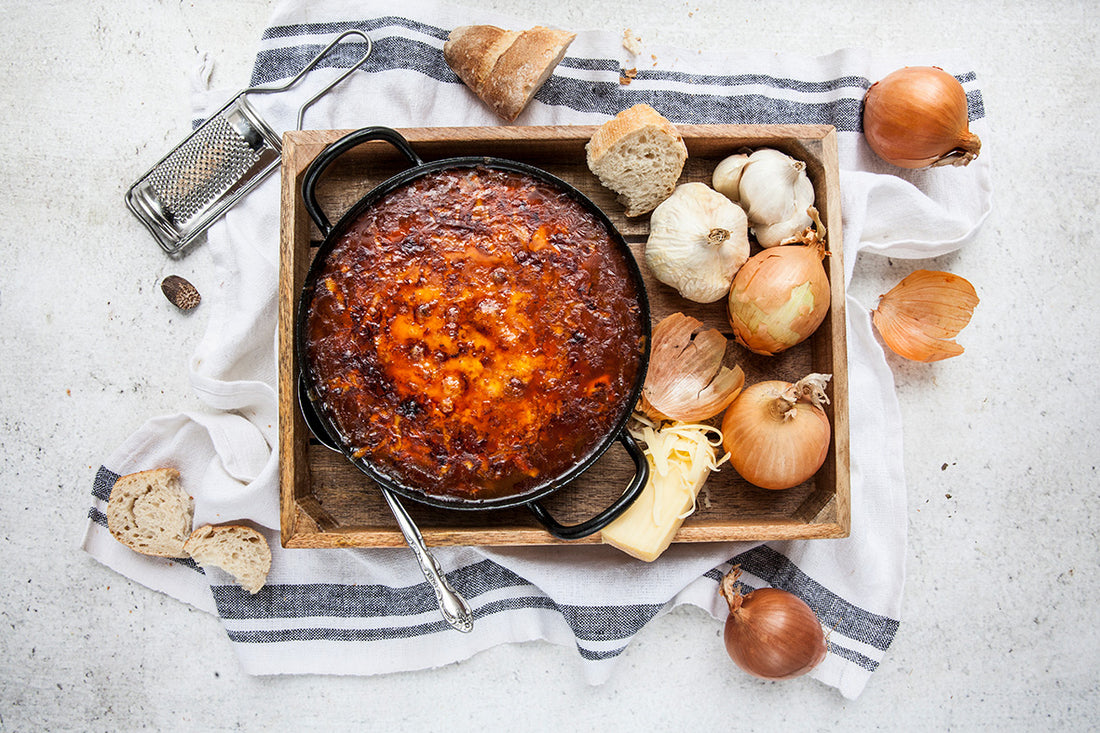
329 435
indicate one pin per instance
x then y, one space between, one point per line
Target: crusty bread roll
639 155
505 68
235 548
150 513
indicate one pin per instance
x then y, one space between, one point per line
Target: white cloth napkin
370 611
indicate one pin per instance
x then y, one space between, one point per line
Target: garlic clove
686 380
698 239
726 178
799 226
769 186
920 316
783 232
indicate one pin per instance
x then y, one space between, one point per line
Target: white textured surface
1001 444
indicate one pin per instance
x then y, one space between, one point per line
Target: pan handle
329 155
611 513
313 420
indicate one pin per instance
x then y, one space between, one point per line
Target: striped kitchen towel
357 611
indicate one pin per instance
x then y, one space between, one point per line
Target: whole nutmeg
180 292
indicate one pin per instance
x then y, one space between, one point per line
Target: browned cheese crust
474 333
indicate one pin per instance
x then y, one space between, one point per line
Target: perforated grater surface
217 164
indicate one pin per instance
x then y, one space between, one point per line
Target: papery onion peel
921 315
686 380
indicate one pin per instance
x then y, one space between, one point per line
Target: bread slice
505 68
639 155
238 550
150 513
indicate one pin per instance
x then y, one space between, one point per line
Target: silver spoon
454 608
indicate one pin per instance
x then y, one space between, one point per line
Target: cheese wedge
681 457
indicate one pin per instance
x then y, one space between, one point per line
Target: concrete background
998 628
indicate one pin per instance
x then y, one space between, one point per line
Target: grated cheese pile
681 456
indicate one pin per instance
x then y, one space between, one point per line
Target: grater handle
345 75
316 60
329 155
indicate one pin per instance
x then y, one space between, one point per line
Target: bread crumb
631 42
627 75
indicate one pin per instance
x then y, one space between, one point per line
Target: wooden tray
326 502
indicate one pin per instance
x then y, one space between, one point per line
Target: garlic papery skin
698 239
787 231
726 178
776 194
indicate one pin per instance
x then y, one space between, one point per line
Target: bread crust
505 68
473 50
625 123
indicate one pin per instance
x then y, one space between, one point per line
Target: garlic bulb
773 189
698 239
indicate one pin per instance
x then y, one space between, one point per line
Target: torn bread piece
237 549
639 155
150 513
632 42
505 68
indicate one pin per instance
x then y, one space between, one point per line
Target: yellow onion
776 433
921 315
686 380
779 297
917 117
771 633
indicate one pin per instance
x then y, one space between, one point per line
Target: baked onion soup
475 334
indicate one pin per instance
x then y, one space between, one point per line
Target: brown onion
917 117
776 433
771 633
779 297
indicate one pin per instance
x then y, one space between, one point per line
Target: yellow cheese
681 457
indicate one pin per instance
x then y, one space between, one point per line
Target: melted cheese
475 333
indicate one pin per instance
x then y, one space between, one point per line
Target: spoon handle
454 608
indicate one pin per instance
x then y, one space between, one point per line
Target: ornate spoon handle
454 608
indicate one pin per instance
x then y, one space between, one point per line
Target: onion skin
921 315
917 117
686 380
771 633
779 297
775 440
